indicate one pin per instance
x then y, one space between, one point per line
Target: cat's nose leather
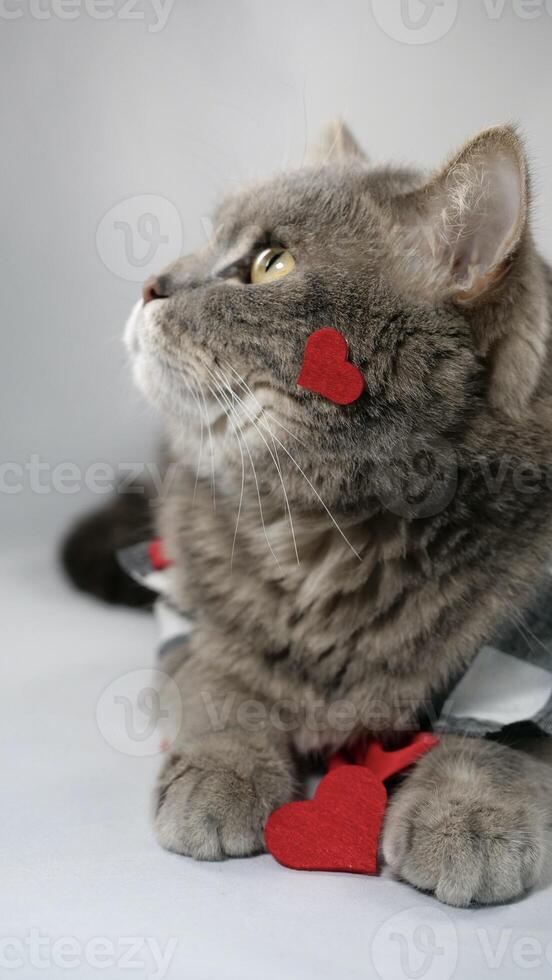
153 289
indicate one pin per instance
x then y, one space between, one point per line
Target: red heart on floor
336 831
326 370
385 764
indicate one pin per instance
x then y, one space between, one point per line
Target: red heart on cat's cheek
327 371
336 831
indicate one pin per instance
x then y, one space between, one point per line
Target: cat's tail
89 551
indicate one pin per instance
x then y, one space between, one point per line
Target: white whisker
210 434
223 395
311 485
221 405
191 385
267 415
274 457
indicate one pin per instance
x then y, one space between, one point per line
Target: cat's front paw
467 828
214 804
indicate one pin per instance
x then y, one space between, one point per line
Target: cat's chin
142 316
187 405
176 396
149 370
130 334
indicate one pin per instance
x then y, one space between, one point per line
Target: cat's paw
212 805
469 832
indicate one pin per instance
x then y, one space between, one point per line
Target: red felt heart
157 556
336 831
326 370
385 764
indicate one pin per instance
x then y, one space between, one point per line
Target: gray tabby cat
351 560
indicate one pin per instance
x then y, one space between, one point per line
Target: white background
100 118
98 111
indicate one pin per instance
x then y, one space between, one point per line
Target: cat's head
433 282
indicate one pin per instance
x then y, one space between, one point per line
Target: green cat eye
271 264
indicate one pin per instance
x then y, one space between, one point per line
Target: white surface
500 688
79 864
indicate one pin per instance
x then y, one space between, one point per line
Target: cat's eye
271 264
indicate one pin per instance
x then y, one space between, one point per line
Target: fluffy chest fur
362 621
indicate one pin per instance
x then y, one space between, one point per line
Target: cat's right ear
464 237
336 145
466 222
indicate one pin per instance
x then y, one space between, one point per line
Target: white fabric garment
500 689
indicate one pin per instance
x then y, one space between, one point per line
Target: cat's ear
335 144
464 238
468 220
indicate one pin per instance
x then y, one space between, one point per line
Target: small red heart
326 370
385 764
336 831
157 556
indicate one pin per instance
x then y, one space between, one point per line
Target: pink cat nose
152 290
